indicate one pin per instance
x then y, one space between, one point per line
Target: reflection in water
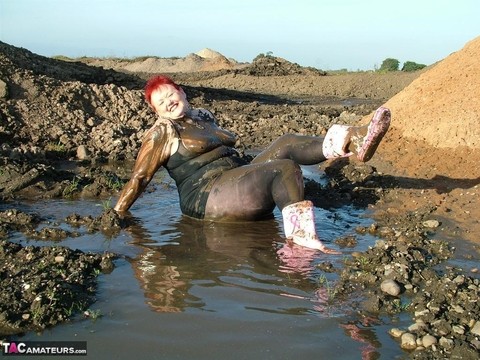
214 275
164 290
296 259
192 252
362 334
199 252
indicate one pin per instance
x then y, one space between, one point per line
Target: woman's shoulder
162 123
162 127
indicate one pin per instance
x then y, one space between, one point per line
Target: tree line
390 64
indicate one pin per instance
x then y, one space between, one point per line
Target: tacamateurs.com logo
52 348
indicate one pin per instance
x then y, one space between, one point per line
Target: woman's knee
287 140
286 145
288 166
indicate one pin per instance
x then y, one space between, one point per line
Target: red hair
154 83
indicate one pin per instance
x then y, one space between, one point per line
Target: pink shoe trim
377 129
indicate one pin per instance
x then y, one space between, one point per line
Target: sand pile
436 119
208 53
204 60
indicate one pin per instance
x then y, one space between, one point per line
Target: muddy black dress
198 163
202 151
213 181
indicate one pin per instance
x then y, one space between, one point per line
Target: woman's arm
159 143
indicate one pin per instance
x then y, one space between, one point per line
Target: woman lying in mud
215 183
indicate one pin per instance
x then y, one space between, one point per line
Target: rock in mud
390 287
396 332
408 341
431 223
429 340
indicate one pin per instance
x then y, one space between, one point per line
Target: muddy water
185 289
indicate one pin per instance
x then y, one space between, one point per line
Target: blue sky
326 34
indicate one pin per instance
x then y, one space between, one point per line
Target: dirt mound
190 63
204 60
208 53
433 146
16 61
443 103
52 104
266 65
436 119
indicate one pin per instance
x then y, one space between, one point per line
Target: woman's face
169 102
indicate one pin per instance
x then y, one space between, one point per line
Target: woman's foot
365 145
299 226
343 140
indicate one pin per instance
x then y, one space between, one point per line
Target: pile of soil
422 184
440 107
439 113
267 65
434 140
205 60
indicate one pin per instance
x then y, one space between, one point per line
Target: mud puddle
186 289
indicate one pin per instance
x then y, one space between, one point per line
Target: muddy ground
62 121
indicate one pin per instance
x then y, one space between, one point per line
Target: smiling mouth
173 107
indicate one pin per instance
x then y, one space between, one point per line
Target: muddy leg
251 192
302 149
